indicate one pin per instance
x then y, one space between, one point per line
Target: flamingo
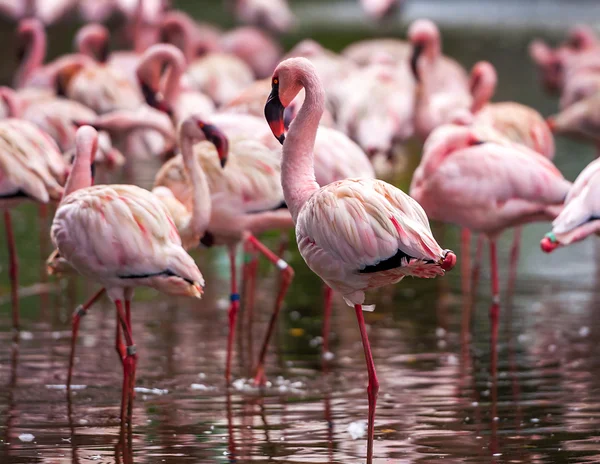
191 37
518 123
356 234
485 187
32 52
274 15
442 83
579 218
247 199
364 51
581 119
191 220
31 169
379 9
177 101
123 237
47 11
375 104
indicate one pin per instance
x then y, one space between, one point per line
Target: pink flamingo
31 169
32 52
247 199
485 187
191 220
191 37
47 11
442 83
579 218
375 105
518 123
177 101
274 15
365 51
356 234
257 49
121 236
379 9
554 64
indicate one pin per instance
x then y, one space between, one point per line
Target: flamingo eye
200 124
275 81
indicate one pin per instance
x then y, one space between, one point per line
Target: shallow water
438 401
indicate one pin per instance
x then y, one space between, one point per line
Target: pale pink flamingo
29 165
123 237
31 53
379 9
191 220
581 119
57 118
274 15
520 124
485 187
331 67
365 51
254 47
554 63
247 200
219 75
356 234
177 101
374 105
191 37
579 218
442 83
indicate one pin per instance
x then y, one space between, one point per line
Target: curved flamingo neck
297 168
482 85
201 203
149 70
34 55
86 143
92 41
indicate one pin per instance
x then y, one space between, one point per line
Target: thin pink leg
134 356
129 360
287 274
327 317
476 267
373 388
514 259
13 269
495 308
233 312
465 259
79 312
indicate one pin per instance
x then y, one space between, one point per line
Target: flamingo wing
364 222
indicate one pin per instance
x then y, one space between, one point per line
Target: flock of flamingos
200 99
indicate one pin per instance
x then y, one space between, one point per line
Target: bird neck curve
201 203
34 56
297 168
86 142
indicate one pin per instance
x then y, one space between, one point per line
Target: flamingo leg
79 312
287 274
233 312
13 269
476 268
373 388
514 258
495 308
132 376
251 268
327 317
129 360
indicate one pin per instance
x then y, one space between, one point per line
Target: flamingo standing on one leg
579 218
123 237
356 234
485 187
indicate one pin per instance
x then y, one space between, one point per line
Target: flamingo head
549 243
197 128
424 37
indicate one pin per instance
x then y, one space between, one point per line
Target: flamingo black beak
414 59
274 113
215 136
